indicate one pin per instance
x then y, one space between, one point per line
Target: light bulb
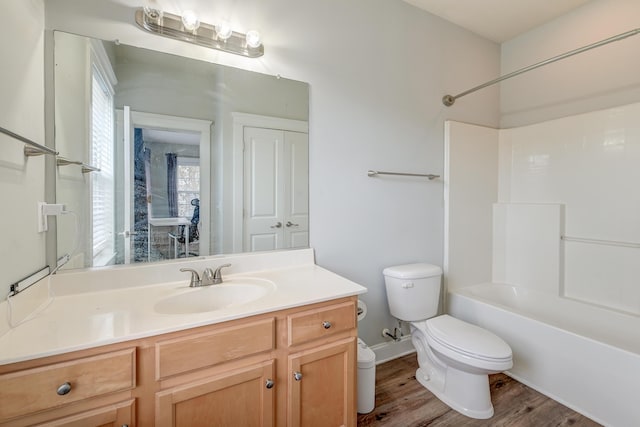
253 39
190 20
223 30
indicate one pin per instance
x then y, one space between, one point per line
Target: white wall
73 84
21 111
377 71
601 78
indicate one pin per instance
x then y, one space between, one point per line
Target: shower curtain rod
449 100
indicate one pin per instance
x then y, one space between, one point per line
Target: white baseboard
390 350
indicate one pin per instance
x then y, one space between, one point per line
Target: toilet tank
413 291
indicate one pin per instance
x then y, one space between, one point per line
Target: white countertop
79 320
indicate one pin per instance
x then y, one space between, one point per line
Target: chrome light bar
171 26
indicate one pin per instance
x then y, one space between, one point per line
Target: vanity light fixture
189 29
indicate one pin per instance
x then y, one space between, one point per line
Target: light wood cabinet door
240 397
322 383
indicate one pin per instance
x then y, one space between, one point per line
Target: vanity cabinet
294 367
321 365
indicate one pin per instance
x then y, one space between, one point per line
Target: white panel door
275 189
263 189
296 190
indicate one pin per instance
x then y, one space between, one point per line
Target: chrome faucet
217 275
195 277
209 277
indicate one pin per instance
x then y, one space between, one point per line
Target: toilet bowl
455 358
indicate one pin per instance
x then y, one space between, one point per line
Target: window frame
101 72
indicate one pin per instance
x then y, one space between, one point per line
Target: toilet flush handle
407 285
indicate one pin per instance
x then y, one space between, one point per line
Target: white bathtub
584 356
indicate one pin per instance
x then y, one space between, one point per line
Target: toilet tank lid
413 271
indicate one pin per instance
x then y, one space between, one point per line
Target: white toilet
454 357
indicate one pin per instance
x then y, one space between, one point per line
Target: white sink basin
230 293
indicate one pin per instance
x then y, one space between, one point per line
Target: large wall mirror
165 157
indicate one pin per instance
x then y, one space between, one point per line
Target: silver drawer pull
277 225
297 375
64 389
326 324
269 383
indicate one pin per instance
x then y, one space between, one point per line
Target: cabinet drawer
119 414
320 322
36 389
206 349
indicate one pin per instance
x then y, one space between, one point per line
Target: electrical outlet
46 209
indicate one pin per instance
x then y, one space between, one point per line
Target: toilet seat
466 342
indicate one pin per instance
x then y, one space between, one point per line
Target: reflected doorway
165 184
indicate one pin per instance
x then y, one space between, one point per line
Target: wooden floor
401 401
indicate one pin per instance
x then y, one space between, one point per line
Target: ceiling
498 20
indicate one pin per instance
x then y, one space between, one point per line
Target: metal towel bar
21 285
32 148
429 175
61 161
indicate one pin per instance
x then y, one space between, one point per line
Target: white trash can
366 378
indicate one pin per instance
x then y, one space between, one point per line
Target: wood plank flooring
402 402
